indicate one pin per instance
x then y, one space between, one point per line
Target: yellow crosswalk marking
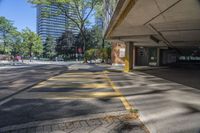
66 95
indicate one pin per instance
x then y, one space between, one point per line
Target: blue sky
20 12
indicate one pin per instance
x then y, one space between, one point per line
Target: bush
103 53
90 54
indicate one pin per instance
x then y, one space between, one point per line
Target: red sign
80 50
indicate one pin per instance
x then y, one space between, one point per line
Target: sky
21 13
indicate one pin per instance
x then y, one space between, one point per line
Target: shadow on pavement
23 109
188 77
164 105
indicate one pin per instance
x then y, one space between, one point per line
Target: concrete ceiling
161 22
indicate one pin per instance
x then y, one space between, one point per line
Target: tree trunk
4 43
103 45
4 48
103 42
84 43
84 49
30 53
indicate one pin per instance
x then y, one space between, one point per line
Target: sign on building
122 52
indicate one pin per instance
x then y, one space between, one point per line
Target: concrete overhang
169 22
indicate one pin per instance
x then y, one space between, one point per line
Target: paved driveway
80 97
164 106
189 77
16 79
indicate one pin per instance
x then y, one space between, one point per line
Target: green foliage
16 43
102 53
135 111
99 8
6 30
32 44
90 54
93 39
65 44
49 48
105 54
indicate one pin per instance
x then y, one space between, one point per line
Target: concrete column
129 57
158 56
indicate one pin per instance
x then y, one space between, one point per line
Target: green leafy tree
49 48
65 44
93 39
6 28
100 10
32 44
16 43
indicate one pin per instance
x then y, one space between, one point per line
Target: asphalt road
81 91
14 80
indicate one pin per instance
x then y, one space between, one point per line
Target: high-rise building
51 23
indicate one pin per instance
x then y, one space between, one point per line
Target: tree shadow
164 104
188 77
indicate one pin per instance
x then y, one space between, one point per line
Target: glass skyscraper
50 24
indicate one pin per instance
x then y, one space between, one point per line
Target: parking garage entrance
146 56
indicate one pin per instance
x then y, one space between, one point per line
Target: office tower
52 23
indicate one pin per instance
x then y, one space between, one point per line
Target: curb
57 121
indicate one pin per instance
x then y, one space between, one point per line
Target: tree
101 9
79 41
82 11
31 43
92 39
6 27
65 44
16 43
49 48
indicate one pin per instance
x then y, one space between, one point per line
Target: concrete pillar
134 55
129 57
158 56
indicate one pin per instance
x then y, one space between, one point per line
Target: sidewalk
164 106
27 63
100 123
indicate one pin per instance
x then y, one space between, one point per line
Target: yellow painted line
123 99
66 95
48 85
69 79
68 86
82 73
95 85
